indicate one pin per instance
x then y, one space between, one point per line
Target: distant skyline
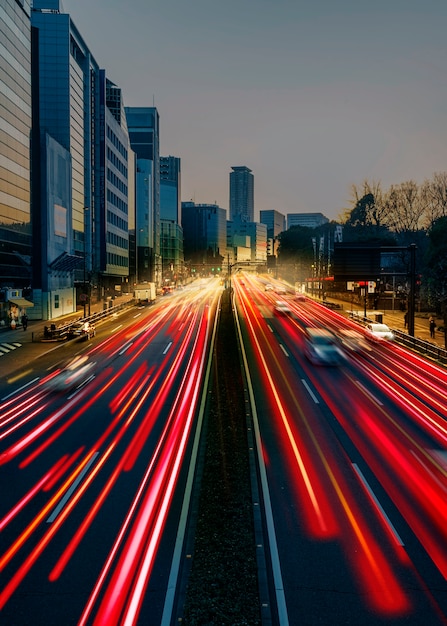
313 97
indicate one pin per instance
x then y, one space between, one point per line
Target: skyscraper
15 126
143 126
241 194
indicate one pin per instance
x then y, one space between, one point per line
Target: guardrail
55 333
420 346
426 348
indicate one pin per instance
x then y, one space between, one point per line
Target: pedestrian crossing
5 347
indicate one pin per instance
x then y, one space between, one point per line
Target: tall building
170 188
204 228
80 168
115 211
15 130
143 125
171 241
241 194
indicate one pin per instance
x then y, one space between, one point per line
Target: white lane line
281 605
310 392
379 506
117 328
167 347
13 393
72 489
270 328
283 349
125 348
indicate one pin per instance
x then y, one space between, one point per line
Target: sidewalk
36 328
395 320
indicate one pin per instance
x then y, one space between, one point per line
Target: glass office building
15 129
241 194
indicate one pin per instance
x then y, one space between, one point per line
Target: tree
404 207
437 267
434 198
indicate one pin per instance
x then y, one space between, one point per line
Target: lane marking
71 490
117 328
283 349
310 392
20 389
390 524
126 348
167 347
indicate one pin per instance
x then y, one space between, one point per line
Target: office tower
204 230
171 240
15 128
80 169
143 126
170 188
241 194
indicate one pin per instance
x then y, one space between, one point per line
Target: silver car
379 332
322 347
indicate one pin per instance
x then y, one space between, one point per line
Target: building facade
241 194
171 241
204 230
310 220
15 132
247 238
143 126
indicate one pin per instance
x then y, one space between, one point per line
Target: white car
78 372
379 332
282 308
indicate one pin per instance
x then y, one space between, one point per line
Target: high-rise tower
241 194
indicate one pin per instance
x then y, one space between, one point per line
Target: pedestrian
432 325
406 319
25 321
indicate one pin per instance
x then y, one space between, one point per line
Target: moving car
322 347
78 371
353 341
282 308
82 330
379 332
268 287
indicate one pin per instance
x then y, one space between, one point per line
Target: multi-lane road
96 481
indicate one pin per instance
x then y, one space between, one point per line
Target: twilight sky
312 95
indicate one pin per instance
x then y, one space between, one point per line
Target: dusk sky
313 96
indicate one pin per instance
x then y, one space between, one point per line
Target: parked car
322 347
81 330
379 332
75 374
282 308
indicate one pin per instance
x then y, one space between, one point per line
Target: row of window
114 160
120 204
118 241
117 260
116 182
117 221
117 143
